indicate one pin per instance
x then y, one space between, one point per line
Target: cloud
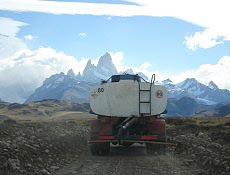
145 68
145 65
21 69
30 37
219 73
9 43
82 34
10 27
212 15
118 58
27 69
208 14
206 39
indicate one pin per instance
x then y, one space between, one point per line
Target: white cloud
30 37
10 27
35 65
145 68
145 65
219 73
208 14
82 34
9 43
206 39
118 58
212 15
21 69
27 69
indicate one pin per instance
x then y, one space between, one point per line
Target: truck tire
155 149
98 148
102 149
127 144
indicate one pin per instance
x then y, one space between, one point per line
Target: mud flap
97 148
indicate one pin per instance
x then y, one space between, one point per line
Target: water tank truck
128 110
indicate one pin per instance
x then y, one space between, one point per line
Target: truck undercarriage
126 131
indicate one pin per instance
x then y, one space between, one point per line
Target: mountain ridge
76 88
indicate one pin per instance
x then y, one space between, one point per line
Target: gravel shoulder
129 161
58 146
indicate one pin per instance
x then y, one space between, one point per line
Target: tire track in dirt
128 161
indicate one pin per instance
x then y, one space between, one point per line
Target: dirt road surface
128 161
58 146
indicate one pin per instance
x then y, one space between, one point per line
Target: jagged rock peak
105 60
89 66
78 76
191 80
70 73
212 85
105 64
89 62
167 81
129 71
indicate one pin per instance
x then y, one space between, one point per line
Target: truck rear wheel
100 148
155 149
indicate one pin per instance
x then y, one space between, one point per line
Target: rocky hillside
184 106
218 111
39 109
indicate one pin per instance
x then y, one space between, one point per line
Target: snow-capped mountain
212 85
205 94
71 73
104 69
15 93
73 87
62 87
76 87
105 65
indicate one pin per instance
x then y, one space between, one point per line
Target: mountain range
73 87
208 94
185 98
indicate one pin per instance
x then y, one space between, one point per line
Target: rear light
149 137
105 137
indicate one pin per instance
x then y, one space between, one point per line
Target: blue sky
158 41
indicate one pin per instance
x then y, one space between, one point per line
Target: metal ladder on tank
150 96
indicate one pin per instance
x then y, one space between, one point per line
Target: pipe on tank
124 126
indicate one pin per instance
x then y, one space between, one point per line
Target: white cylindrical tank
127 98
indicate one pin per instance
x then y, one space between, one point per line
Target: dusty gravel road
128 161
56 144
